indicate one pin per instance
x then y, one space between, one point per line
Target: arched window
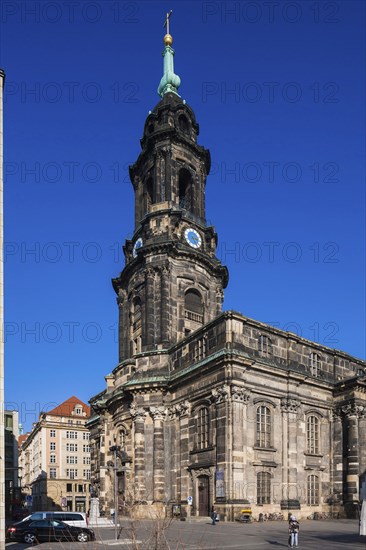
202 428
121 438
185 189
264 345
183 124
136 326
263 488
193 306
314 364
312 490
312 434
149 193
263 427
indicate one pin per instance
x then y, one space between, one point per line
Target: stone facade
54 459
210 408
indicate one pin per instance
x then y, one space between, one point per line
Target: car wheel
83 537
30 538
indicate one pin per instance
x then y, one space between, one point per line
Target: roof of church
67 408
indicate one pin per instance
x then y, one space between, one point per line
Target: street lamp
115 449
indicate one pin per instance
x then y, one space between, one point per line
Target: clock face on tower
192 237
138 244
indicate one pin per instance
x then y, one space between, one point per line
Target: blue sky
279 92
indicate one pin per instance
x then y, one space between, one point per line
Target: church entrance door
203 496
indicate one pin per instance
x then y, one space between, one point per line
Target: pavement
180 535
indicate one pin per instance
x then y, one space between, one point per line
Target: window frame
313 490
264 487
265 345
202 419
314 364
313 434
263 426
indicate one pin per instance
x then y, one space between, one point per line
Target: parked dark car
31 531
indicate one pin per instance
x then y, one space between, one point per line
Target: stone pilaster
352 414
158 415
149 309
138 417
223 428
165 338
290 487
123 325
239 399
337 455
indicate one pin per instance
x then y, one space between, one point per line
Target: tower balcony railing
192 316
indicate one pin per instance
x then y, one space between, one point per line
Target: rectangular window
86 448
53 459
52 433
71 473
69 487
71 459
86 459
263 436
263 488
86 435
86 474
202 428
52 473
52 446
313 491
71 434
312 435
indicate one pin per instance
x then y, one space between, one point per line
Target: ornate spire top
170 81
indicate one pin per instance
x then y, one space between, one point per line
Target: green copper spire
170 81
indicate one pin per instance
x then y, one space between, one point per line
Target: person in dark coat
293 529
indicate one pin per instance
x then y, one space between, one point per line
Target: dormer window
78 410
314 364
264 345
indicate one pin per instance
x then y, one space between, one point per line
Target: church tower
209 408
172 283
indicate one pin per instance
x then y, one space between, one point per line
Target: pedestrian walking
214 516
293 530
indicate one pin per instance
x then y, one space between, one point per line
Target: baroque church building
210 408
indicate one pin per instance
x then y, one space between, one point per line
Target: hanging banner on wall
220 484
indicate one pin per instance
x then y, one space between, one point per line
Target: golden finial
168 39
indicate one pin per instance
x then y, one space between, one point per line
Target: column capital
290 405
158 413
220 395
240 394
178 410
352 409
138 414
